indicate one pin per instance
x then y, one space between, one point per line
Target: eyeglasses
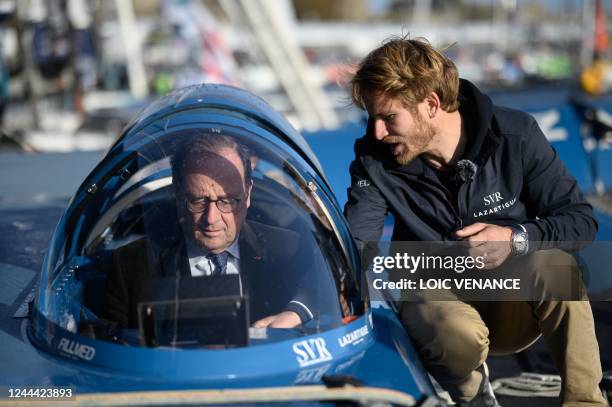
225 205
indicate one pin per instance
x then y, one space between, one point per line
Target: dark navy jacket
275 281
520 179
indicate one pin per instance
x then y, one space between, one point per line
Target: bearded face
404 130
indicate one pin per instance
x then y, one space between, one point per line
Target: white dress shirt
200 265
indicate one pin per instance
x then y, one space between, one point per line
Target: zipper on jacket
456 210
446 193
440 190
459 206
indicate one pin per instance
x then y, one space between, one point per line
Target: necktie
220 262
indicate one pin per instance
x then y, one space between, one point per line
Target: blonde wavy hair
408 70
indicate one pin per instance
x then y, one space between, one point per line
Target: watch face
520 244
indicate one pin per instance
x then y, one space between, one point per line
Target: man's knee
555 276
451 337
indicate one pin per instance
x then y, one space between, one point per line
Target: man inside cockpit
212 185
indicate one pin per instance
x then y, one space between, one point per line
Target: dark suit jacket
269 268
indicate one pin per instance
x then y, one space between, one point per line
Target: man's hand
286 319
489 241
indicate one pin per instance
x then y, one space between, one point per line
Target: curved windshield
205 238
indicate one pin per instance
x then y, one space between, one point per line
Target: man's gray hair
207 143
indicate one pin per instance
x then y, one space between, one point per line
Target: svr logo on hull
311 351
76 349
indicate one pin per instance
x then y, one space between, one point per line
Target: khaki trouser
455 337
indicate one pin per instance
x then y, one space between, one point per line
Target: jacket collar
476 110
247 241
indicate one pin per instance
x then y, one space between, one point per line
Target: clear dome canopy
207 225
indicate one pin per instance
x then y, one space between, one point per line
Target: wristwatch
519 240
